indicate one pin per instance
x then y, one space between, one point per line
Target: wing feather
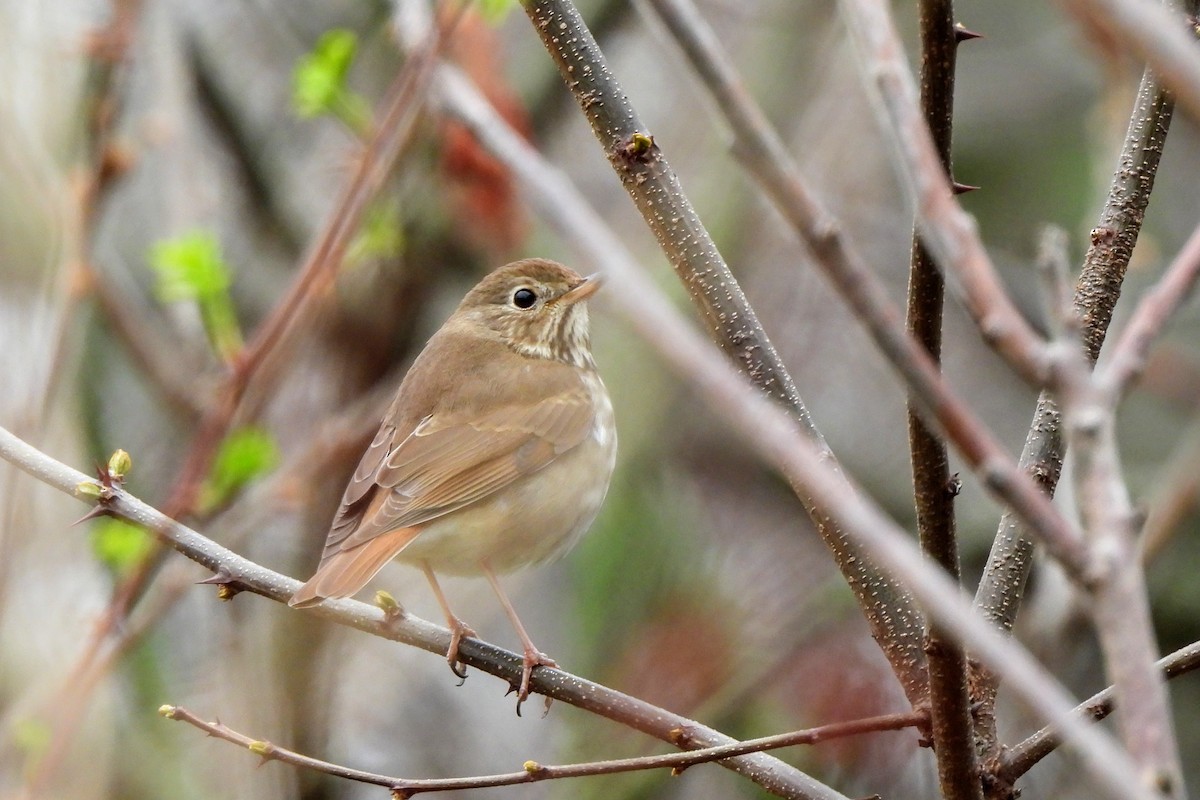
448 462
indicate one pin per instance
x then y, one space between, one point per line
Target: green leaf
191 267
246 454
319 81
119 545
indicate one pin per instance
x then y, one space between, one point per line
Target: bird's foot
458 629
533 658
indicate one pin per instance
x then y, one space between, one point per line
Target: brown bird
495 454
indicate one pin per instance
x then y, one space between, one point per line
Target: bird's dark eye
524 298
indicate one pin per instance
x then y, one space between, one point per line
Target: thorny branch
934 489
646 175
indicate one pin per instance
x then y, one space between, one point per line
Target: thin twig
760 150
394 131
240 573
163 361
1022 757
1120 605
533 771
1177 488
776 436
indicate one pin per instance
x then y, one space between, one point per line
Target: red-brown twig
533 771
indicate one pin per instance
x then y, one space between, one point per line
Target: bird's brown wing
448 463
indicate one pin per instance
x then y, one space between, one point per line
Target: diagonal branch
948 232
1022 757
730 320
647 312
1157 33
1153 312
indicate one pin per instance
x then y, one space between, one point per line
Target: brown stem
656 191
933 488
533 771
391 136
1002 585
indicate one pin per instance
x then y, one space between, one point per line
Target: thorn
227 586
962 34
546 710
220 577
961 188
95 513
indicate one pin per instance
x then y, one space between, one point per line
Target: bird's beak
583 291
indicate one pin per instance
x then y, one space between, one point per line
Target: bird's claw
533 659
458 629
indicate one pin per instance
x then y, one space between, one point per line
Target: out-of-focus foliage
191 268
119 545
319 82
246 454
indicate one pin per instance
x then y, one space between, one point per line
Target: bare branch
948 232
533 772
1022 757
239 573
775 435
1120 604
934 490
1002 586
647 312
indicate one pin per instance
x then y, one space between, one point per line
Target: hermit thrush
495 454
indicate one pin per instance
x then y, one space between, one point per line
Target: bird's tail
343 573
